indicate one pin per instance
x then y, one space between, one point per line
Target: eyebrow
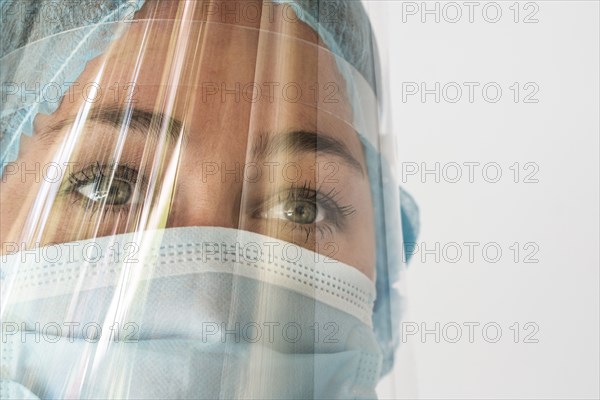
138 119
301 141
151 122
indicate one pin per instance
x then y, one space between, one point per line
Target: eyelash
336 214
95 173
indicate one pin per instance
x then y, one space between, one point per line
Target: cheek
360 240
20 188
15 201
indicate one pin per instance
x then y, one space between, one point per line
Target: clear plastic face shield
204 212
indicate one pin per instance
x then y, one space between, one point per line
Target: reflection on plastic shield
194 208
162 304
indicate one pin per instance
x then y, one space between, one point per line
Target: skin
214 134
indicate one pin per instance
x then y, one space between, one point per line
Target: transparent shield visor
202 216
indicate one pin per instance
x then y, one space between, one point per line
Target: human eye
307 209
108 186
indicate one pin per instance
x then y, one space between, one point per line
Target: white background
559 213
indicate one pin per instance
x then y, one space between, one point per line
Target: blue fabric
186 345
388 309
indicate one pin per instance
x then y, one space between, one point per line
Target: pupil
301 212
118 193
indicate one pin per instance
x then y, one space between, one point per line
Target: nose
205 204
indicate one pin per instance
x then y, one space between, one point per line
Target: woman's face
200 124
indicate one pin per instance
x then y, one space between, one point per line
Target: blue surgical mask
198 312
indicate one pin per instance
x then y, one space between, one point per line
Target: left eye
117 192
297 211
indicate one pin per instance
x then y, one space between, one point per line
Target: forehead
231 63
222 77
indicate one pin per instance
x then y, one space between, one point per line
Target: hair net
348 35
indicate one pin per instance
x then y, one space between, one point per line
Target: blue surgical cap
348 35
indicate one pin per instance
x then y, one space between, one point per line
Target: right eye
299 211
105 184
118 192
